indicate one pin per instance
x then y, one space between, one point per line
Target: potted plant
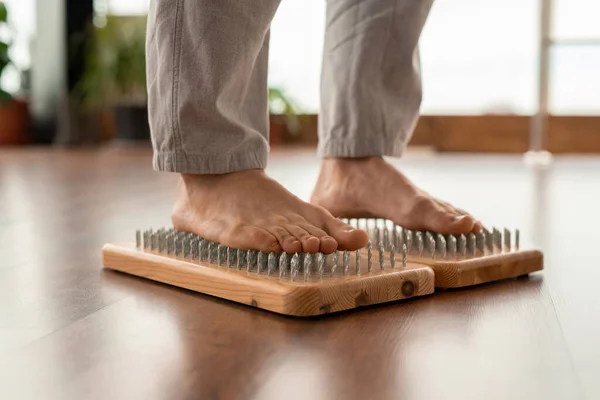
115 75
14 116
284 117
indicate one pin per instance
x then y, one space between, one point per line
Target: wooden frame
319 294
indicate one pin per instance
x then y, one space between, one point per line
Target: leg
370 98
207 85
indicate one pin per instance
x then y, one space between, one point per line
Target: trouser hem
361 147
183 163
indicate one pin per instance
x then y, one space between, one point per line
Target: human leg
370 98
207 86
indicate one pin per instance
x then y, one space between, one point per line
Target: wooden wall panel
492 133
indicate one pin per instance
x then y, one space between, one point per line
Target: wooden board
298 298
482 269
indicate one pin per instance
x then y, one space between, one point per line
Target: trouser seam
177 47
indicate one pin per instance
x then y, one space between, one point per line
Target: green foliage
115 70
4 48
3 12
281 103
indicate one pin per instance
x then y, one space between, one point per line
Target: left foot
371 188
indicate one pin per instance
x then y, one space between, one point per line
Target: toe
310 243
476 227
288 242
462 224
327 244
438 218
346 236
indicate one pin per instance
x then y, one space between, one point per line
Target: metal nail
271 263
321 260
420 244
201 249
346 261
381 255
440 244
197 240
462 245
138 239
404 251
480 242
189 242
452 245
377 235
295 266
497 236
176 244
170 242
157 236
249 260
307 265
471 243
259 262
489 240
231 255
357 262
395 235
409 240
517 237
152 243
369 256
386 238
238 259
334 261
506 239
283 263
430 242
393 256
162 243
222 254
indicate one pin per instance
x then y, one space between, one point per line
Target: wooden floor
69 330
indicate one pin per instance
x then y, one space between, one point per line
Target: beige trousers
207 81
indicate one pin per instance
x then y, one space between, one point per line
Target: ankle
342 164
212 179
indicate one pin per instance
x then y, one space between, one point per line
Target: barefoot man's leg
370 100
207 85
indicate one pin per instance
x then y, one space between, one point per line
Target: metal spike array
391 240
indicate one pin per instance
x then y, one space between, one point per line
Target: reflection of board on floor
311 284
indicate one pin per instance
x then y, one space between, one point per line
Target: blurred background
499 76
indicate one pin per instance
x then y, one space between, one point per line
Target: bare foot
370 187
249 210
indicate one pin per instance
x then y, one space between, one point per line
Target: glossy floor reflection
69 330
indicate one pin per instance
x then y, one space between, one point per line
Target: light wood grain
298 298
487 268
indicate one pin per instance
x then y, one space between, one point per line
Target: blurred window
477 57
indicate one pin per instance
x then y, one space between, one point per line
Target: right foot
249 210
